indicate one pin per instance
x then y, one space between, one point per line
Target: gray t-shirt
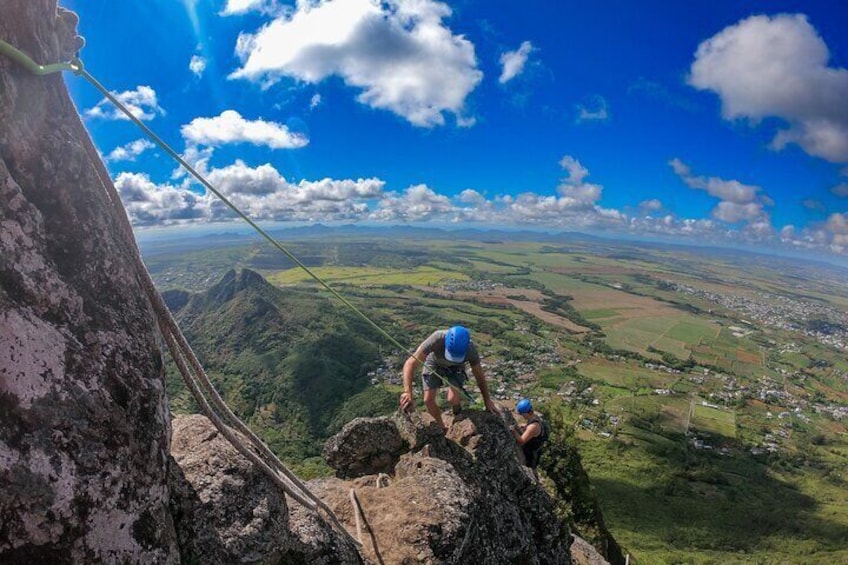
434 348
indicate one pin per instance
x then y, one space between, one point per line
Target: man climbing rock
532 435
444 355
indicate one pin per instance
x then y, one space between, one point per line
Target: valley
708 389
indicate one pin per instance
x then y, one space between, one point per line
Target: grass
637 332
419 276
668 505
715 421
599 313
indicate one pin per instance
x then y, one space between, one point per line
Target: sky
721 122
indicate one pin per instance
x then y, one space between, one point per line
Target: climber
532 435
444 355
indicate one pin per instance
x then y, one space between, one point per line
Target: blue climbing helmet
523 406
456 344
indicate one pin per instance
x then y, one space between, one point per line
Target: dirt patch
744 356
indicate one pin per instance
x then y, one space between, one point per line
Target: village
820 322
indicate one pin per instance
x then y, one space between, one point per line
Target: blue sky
722 122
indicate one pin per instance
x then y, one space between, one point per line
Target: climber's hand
407 401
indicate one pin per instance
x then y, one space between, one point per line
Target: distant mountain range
186 239
288 362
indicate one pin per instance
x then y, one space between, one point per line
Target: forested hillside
287 361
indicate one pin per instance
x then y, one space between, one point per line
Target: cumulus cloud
399 54
141 102
150 204
266 195
315 101
240 7
649 206
197 65
573 189
838 224
261 192
730 190
594 109
778 66
130 151
231 127
733 212
512 62
417 203
739 202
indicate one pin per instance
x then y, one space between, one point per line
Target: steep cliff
84 440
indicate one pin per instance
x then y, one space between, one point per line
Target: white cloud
513 62
838 223
778 66
733 212
141 102
840 189
150 204
398 53
576 171
265 194
315 101
197 65
729 190
573 189
595 109
738 202
652 205
240 7
231 127
417 203
261 192
130 151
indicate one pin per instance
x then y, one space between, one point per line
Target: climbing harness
186 361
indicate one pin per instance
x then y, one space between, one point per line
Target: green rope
76 66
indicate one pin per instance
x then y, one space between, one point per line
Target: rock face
584 553
463 498
84 434
226 511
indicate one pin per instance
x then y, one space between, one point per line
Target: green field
677 334
420 276
714 421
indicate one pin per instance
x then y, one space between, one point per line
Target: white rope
195 376
355 503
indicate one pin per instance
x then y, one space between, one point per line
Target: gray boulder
464 498
228 511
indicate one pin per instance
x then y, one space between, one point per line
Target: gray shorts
455 376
